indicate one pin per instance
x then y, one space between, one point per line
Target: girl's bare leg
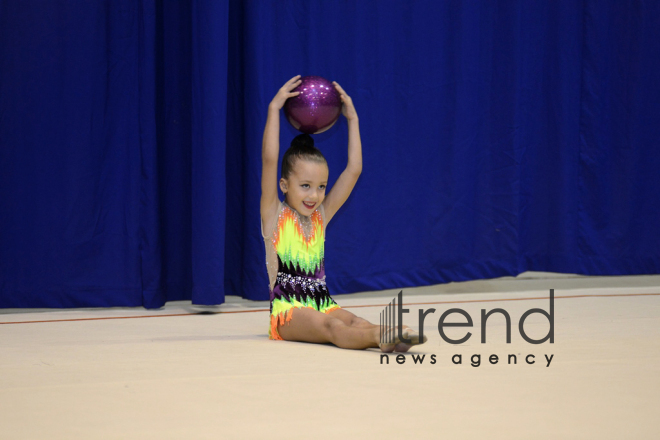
309 325
350 319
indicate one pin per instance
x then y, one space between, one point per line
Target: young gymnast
301 308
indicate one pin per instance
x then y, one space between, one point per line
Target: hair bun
303 142
302 148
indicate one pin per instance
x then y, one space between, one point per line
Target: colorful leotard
295 263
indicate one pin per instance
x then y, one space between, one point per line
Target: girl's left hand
347 108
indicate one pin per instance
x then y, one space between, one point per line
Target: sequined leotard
295 263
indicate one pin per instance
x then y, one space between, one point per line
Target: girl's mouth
309 205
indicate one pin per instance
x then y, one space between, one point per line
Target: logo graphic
391 327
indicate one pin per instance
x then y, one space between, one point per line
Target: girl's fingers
339 88
293 85
344 97
342 93
295 80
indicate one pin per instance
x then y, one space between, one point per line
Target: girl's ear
283 185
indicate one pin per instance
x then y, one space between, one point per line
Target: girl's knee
333 326
357 321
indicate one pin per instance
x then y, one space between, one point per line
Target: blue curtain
498 137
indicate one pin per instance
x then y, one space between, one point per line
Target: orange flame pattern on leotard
287 215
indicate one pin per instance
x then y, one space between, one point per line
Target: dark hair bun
302 147
303 142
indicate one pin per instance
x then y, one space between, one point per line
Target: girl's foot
413 336
390 341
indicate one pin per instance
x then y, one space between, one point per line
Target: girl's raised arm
271 148
346 181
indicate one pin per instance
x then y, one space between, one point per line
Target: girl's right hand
285 92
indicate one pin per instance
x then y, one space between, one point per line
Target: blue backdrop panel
112 153
69 154
498 137
618 181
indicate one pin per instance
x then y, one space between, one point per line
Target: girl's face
304 189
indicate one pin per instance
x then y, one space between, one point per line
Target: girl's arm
346 181
271 148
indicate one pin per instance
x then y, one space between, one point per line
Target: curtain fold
209 145
498 137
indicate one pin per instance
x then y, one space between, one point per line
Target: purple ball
317 107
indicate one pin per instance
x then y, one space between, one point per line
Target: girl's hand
285 92
347 108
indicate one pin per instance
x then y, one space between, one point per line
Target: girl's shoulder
321 210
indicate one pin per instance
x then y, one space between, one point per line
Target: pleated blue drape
498 137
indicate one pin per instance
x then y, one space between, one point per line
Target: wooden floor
176 373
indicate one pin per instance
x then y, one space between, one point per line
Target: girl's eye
322 187
304 185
